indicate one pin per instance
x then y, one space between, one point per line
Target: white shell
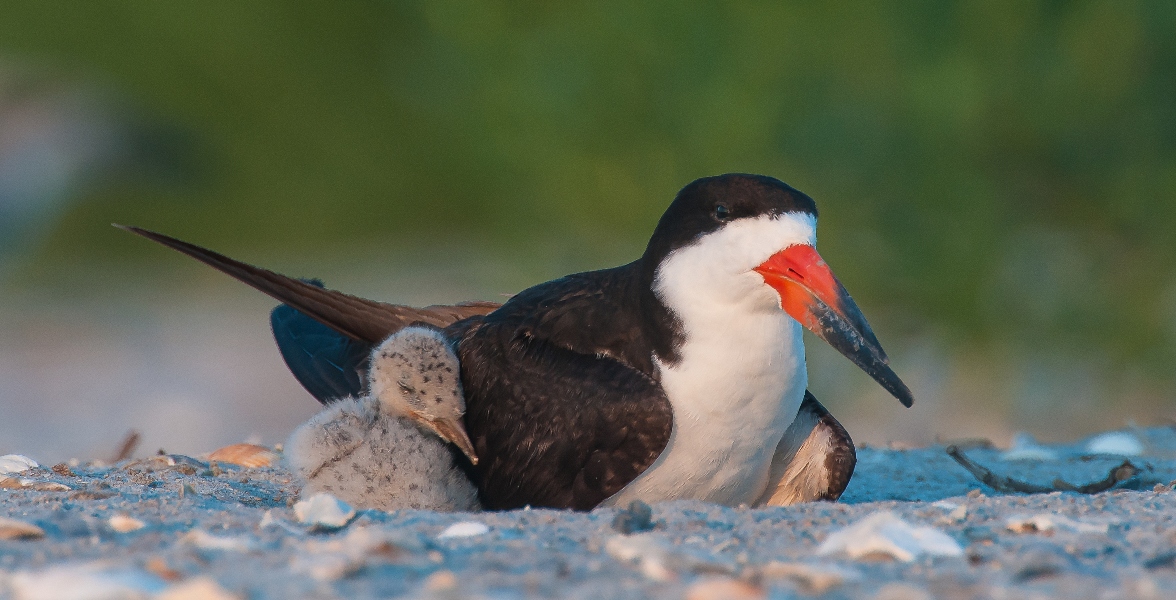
324 511
125 523
16 463
1120 443
886 534
464 529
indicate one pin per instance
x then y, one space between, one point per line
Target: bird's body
391 449
676 376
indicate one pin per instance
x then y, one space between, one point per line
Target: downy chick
390 449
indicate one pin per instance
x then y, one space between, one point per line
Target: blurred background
997 183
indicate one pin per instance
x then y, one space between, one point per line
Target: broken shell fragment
11 529
245 455
15 463
324 512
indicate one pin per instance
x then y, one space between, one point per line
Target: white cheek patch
718 266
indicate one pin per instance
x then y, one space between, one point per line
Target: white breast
741 377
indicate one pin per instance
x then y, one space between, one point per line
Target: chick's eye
722 213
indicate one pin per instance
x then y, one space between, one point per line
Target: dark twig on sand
130 442
1001 483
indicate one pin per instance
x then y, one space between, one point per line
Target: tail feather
357 318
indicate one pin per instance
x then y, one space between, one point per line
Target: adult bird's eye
722 213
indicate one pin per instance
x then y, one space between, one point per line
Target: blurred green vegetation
997 170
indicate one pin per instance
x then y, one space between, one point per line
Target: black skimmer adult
680 375
389 449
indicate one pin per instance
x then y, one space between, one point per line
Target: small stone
441 581
197 588
125 523
812 579
902 591
16 463
64 470
885 534
638 517
324 512
11 529
464 529
723 588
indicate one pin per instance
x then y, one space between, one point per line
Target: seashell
324 512
1119 443
886 534
464 529
245 455
11 529
125 523
20 483
15 463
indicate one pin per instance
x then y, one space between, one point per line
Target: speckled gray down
233 529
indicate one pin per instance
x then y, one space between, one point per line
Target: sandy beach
920 526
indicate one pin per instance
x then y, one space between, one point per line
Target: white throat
741 375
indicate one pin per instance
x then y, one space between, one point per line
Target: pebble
723 588
464 529
885 533
197 588
324 512
1119 443
16 463
11 529
125 523
811 578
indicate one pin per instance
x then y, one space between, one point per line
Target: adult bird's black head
749 240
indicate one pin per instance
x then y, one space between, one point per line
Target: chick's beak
452 431
812 295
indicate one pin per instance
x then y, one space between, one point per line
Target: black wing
328 364
557 411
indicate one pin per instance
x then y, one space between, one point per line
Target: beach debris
336 557
159 567
197 588
723 588
897 590
1119 443
125 523
21 483
441 581
1047 522
814 579
1024 447
63 470
88 581
955 512
207 541
12 529
638 517
16 463
323 512
245 455
1002 483
885 534
660 560
127 448
464 529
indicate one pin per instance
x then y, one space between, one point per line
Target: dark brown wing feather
357 318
